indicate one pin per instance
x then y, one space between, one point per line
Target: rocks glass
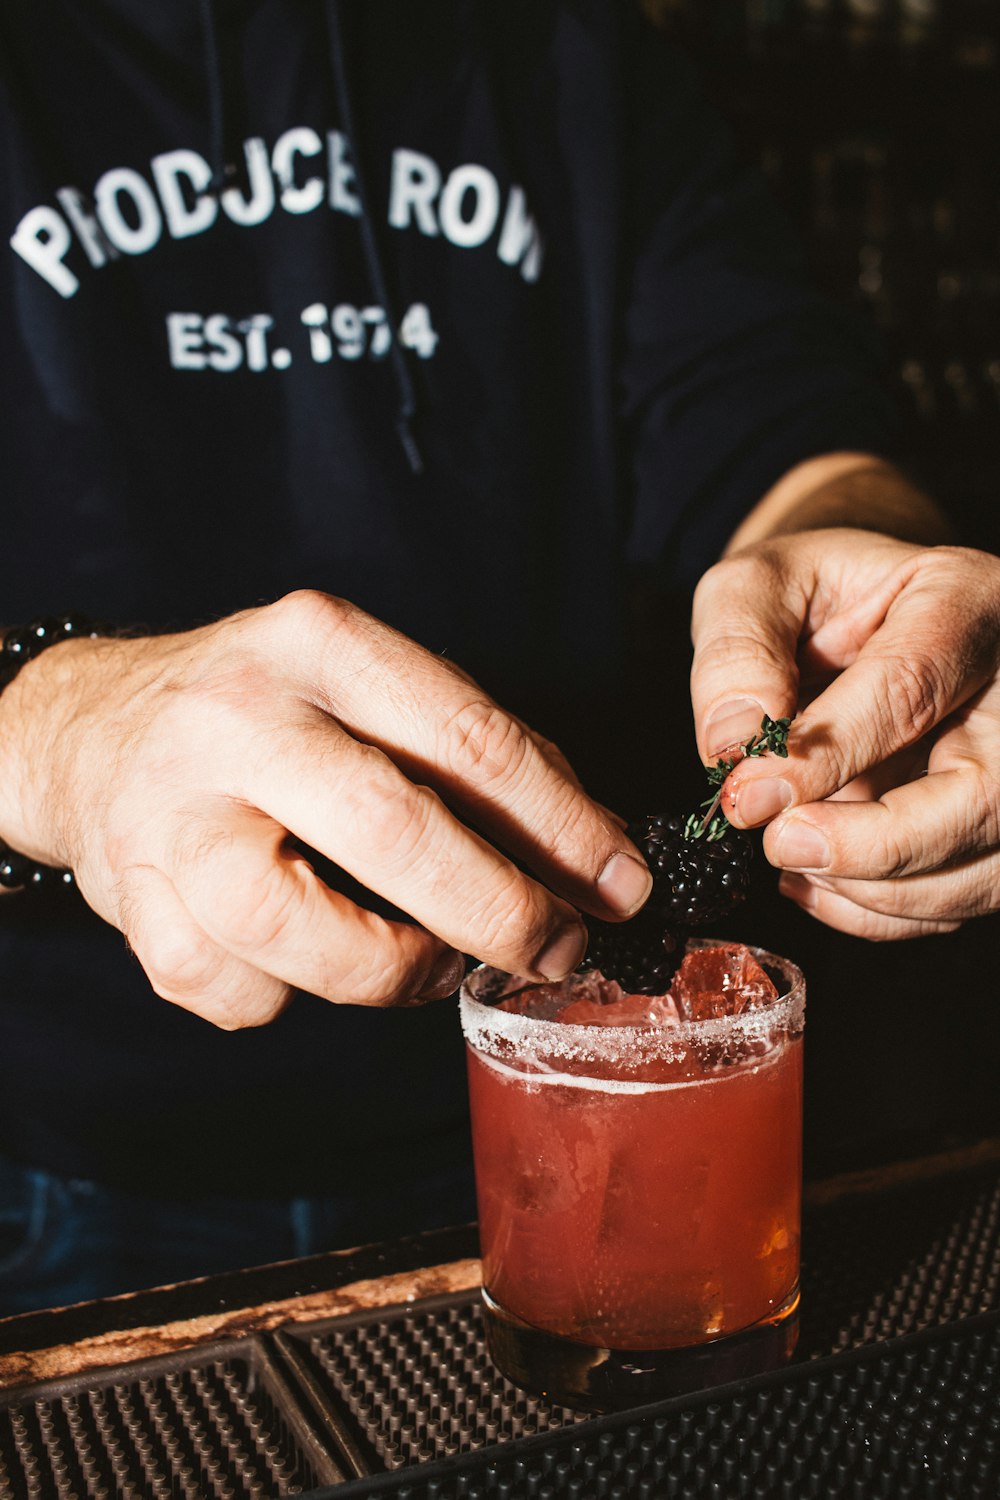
639 1185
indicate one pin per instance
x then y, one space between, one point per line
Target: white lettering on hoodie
127 212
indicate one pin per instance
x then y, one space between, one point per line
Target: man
419 323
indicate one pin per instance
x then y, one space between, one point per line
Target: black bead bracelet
21 644
19 873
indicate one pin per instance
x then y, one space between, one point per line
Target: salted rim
487 1029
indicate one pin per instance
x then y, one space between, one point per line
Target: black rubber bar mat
915 1419
413 1384
217 1423
328 1403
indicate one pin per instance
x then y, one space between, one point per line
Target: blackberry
701 870
642 956
698 877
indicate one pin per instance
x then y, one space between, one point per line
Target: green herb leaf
771 739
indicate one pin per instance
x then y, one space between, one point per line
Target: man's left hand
885 818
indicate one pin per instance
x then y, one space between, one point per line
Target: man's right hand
169 771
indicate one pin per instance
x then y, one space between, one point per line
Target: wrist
38 702
849 490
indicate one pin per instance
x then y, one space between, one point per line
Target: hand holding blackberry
701 870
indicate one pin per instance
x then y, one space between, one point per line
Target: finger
856 607
946 816
953 894
908 765
935 650
559 762
747 616
836 910
186 966
443 730
550 750
265 905
352 803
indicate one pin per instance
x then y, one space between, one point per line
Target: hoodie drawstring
223 170
406 410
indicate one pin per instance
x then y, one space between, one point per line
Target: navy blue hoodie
457 309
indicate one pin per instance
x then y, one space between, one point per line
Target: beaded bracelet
20 644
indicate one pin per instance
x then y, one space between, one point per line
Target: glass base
594 1379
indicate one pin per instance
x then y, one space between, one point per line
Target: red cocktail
638 1183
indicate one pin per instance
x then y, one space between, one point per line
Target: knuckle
722 575
973 892
390 988
260 913
242 1012
891 860
235 1010
305 613
581 839
380 976
197 840
879 929
511 922
893 851
960 567
385 813
916 692
180 963
485 745
982 902
737 577
727 647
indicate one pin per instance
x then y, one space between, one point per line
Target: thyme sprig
771 739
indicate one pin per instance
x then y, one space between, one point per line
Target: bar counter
365 1372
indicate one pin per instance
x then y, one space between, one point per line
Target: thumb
748 614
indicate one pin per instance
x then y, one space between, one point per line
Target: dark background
877 123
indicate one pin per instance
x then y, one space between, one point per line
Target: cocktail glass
639 1192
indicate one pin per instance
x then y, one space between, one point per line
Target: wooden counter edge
121 1346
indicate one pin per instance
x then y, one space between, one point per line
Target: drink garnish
772 739
701 869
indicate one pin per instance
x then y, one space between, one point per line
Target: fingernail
798 889
562 952
800 846
759 801
624 884
732 724
445 976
